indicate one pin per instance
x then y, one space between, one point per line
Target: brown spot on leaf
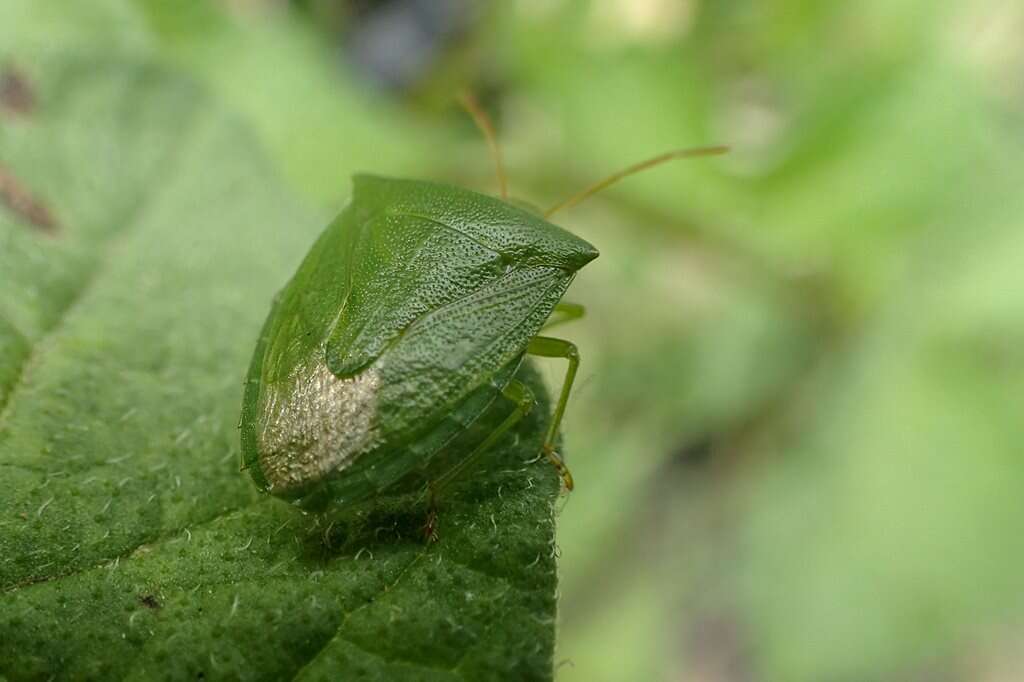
16 94
149 601
16 197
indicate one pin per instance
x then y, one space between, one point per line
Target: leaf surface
130 545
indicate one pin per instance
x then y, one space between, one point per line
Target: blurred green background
797 435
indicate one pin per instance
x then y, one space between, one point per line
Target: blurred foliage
797 432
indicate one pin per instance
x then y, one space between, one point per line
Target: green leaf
130 545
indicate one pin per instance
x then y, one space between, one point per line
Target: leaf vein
338 631
154 541
108 248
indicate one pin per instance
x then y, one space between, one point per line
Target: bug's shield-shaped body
406 319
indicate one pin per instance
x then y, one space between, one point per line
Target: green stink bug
406 321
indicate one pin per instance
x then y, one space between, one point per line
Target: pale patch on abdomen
315 424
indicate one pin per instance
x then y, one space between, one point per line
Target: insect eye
500 265
505 262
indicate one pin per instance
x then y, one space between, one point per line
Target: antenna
483 122
635 168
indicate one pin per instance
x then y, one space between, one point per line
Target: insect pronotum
406 321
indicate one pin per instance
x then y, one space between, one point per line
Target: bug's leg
564 312
522 396
548 347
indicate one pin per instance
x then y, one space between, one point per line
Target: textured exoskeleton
407 319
